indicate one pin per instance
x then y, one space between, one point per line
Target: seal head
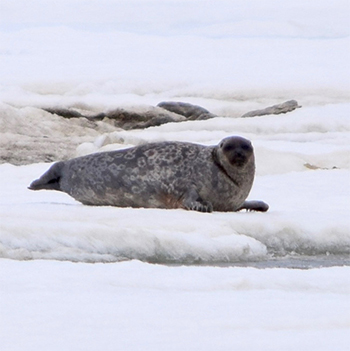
235 155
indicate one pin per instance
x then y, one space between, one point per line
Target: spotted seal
161 175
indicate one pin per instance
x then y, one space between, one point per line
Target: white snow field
74 277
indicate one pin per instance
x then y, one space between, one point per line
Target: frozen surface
82 278
48 305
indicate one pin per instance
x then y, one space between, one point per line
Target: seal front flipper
258 206
192 201
50 180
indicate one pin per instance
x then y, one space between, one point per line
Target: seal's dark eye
228 148
246 147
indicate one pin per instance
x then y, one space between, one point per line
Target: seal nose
239 158
240 154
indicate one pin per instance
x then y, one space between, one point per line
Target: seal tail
50 180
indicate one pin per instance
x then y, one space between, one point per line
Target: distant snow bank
224 51
308 138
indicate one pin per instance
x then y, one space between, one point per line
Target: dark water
291 262
299 262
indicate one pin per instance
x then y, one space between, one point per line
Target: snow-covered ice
100 278
137 306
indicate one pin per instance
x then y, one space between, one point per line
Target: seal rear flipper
192 201
259 206
50 180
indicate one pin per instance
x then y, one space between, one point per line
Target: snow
87 278
134 306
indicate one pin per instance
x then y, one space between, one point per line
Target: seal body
161 175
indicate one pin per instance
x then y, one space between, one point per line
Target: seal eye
246 147
228 148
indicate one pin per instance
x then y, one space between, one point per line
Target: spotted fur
161 175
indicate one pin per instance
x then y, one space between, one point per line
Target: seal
161 175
